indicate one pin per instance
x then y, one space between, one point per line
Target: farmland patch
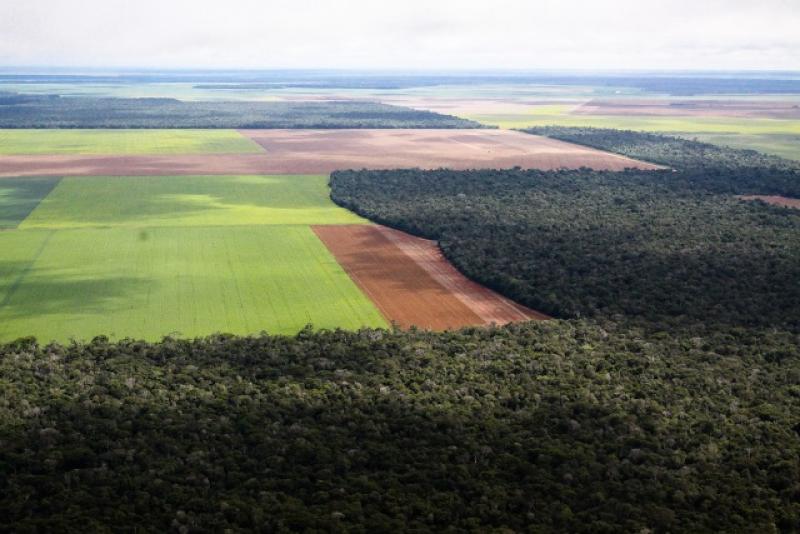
147 283
123 142
411 282
189 201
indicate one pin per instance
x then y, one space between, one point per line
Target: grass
187 201
127 282
124 142
149 256
19 196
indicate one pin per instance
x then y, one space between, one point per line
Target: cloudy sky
423 34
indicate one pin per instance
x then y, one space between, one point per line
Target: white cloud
458 34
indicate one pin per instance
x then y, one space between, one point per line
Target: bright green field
125 142
188 200
149 256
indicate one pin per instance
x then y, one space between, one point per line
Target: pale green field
785 146
661 124
191 281
145 257
125 142
188 200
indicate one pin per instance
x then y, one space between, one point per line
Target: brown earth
693 108
323 151
411 283
775 200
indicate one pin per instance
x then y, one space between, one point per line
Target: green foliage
51 111
556 426
587 243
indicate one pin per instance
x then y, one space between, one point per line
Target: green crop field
124 142
192 255
189 200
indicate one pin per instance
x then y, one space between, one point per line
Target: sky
408 34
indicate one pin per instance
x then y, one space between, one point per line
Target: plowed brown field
412 284
323 151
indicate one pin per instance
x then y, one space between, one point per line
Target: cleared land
411 283
149 256
188 201
323 151
189 280
123 142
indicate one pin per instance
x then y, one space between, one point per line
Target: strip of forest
54 111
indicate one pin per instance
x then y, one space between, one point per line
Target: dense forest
53 111
583 243
559 426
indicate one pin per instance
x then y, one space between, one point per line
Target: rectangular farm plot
19 197
189 201
412 283
192 281
124 142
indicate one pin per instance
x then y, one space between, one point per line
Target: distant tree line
52 111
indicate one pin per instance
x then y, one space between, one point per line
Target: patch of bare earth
775 200
324 151
412 284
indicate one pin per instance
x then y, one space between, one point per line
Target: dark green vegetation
52 111
703 166
557 426
661 246
19 197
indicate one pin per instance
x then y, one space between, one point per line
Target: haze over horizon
356 34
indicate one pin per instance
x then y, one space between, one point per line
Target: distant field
148 256
784 145
144 201
41 141
661 124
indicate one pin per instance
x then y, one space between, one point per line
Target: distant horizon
33 70
624 35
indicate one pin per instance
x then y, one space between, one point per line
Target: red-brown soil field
412 284
323 151
785 202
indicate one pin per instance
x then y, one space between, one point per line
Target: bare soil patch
411 283
323 151
775 200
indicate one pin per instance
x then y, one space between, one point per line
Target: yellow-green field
124 142
773 136
149 256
